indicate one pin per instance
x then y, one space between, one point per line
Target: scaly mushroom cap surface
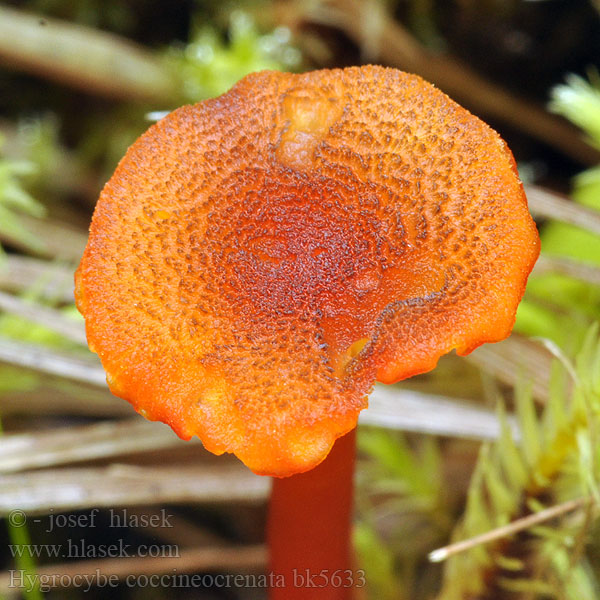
258 260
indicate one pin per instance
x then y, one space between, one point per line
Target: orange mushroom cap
258 260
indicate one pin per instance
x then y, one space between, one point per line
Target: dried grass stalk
514 360
67 445
43 315
52 280
94 61
392 408
45 360
549 205
40 492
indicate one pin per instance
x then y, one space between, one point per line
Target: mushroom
259 260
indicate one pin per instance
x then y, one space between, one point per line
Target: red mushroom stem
309 529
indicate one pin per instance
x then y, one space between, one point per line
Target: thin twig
45 360
67 445
547 204
52 280
42 315
569 267
392 408
57 240
516 359
38 492
442 554
91 60
61 399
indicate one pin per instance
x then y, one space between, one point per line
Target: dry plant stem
125 485
309 528
390 408
406 410
549 205
56 239
59 398
569 267
442 554
385 40
44 360
68 445
48 279
516 359
91 60
43 315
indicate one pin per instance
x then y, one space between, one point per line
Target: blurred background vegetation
479 443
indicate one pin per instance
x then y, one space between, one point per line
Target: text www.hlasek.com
81 549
